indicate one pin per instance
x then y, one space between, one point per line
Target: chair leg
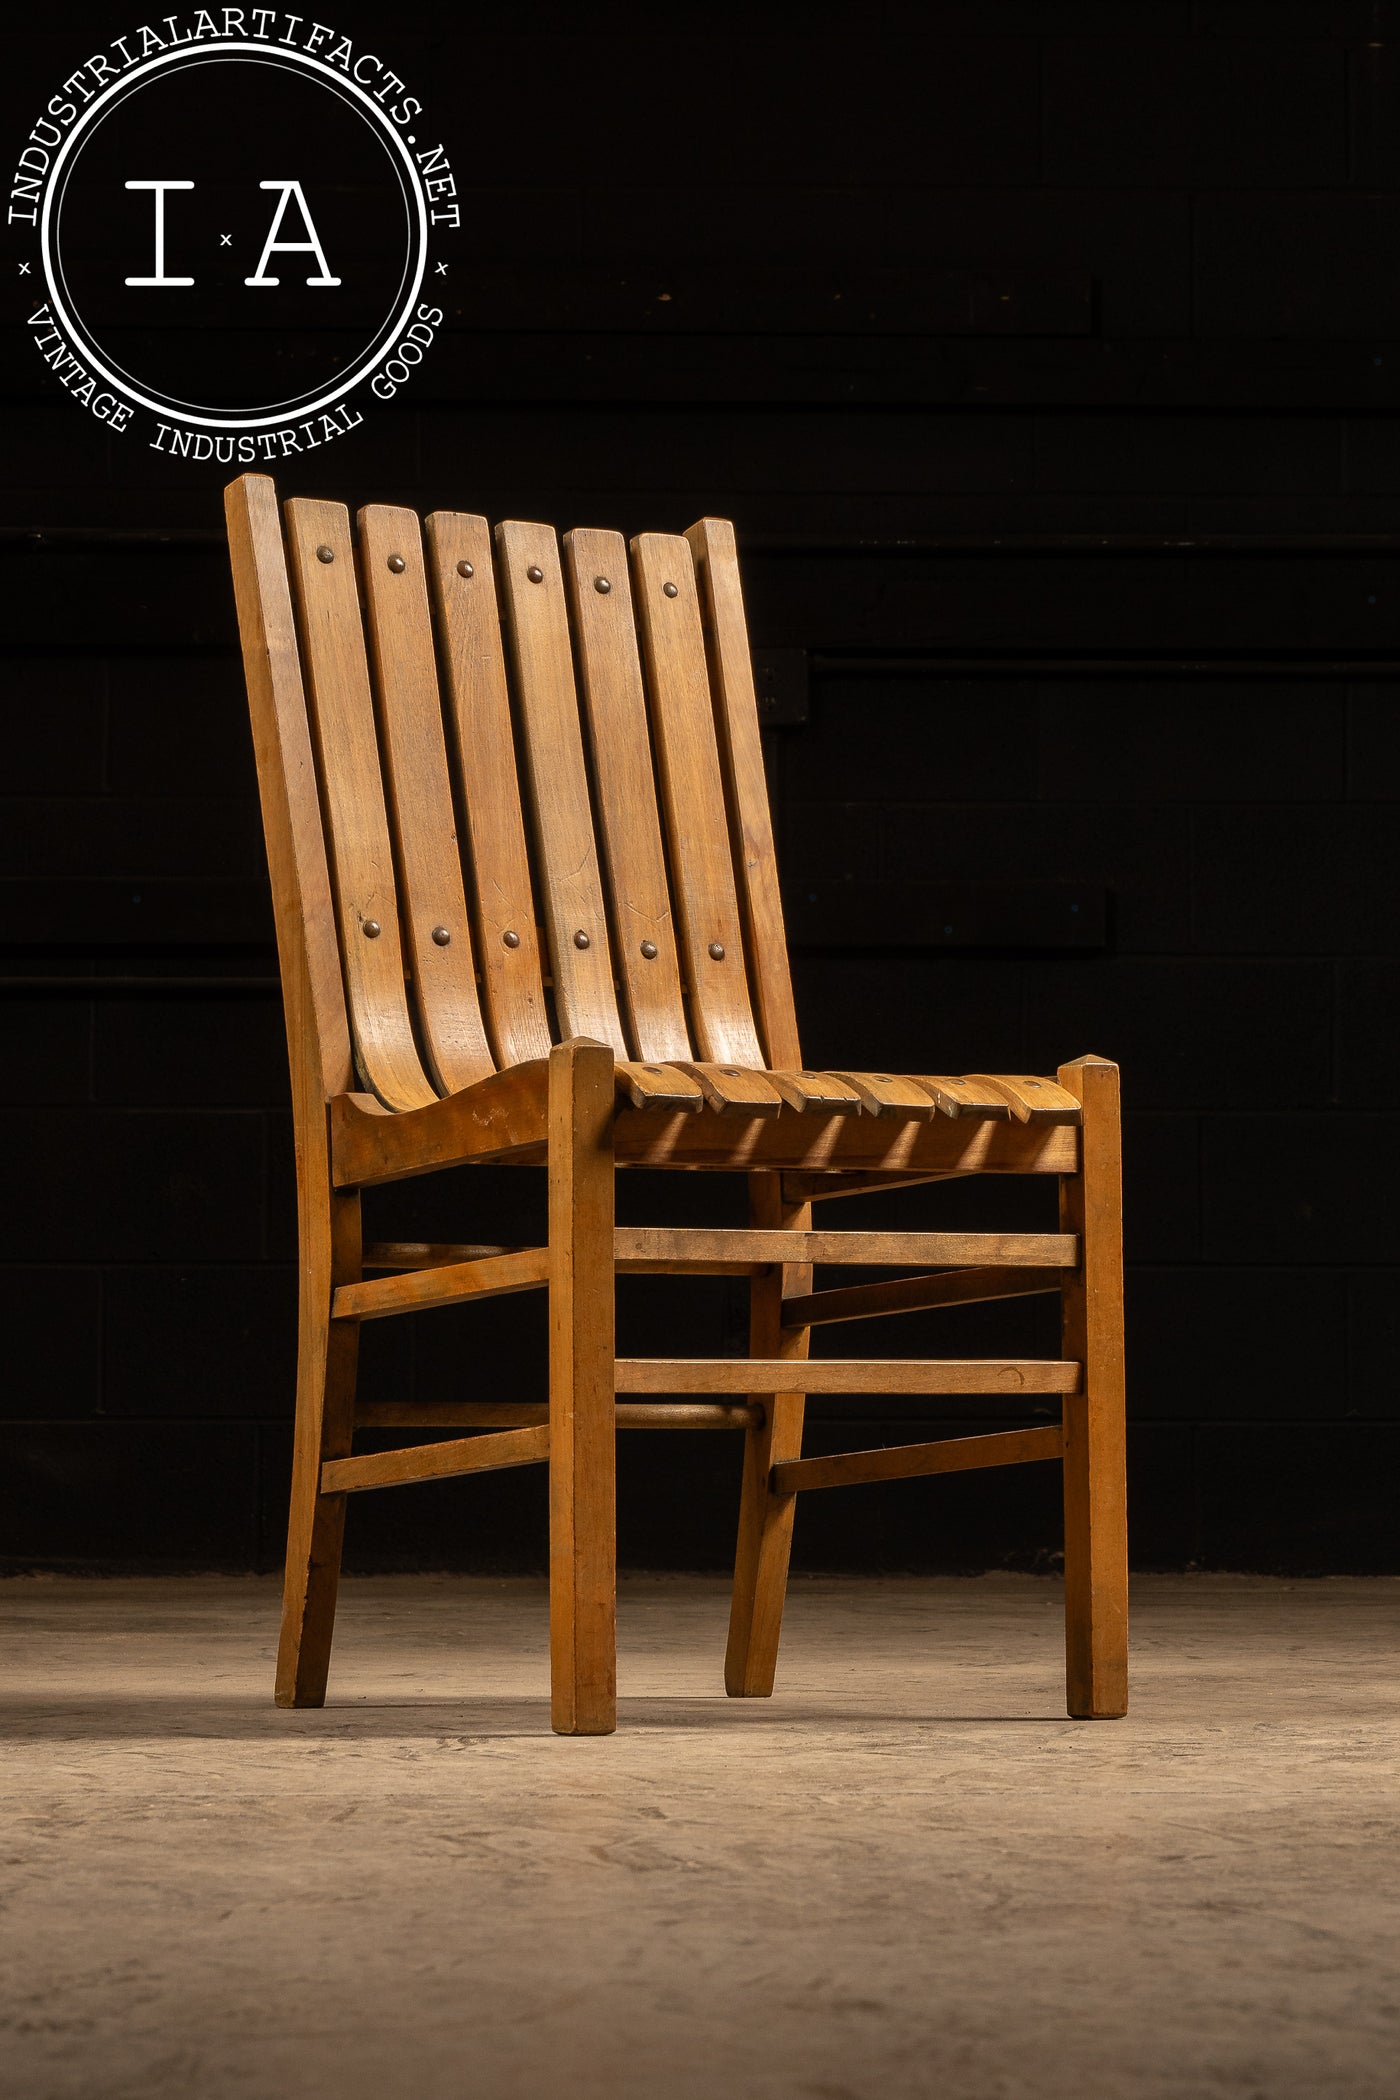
326 1362
765 1519
582 1393
1095 1469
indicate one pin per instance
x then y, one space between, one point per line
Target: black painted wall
1048 358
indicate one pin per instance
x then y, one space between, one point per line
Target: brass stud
371 929
649 950
717 951
464 568
730 1071
325 554
581 939
670 590
511 940
441 936
397 564
536 575
601 586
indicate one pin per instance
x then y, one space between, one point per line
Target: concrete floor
908 1874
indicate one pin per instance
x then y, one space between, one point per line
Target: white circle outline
272 412
128 392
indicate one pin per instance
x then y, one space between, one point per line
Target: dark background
1048 358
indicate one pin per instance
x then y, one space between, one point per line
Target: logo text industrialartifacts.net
231 212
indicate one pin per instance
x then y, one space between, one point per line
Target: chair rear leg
327 1353
1095 1469
582 1392
765 1519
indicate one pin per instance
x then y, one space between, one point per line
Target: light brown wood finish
523 1414
965 1097
361 859
610 672
318 1043
964 1454
483 754
897 1374
871 1301
1032 1100
467 1454
692 795
1096 1492
683 1243
716 559
431 893
589 1106
582 1472
887 1094
419 1290
532 587
764 1543
810 1145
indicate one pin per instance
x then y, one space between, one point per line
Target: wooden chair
424 1032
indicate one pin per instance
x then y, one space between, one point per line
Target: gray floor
906 1874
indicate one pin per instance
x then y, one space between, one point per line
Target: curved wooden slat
889 1094
436 926
532 589
482 748
357 826
741 750
1032 1099
615 702
692 794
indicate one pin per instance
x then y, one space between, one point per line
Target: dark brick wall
1111 278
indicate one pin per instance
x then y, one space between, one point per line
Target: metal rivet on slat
441 936
649 950
371 929
535 575
670 590
325 554
601 586
464 568
730 1071
511 940
397 564
717 951
581 939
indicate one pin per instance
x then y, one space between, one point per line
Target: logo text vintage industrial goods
226 219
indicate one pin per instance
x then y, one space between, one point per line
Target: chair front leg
582 1392
1095 1466
765 1520
327 1357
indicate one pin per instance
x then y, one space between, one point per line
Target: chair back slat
532 589
357 827
483 754
318 1028
751 824
692 793
644 938
437 931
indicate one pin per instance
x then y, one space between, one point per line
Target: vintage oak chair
644 1019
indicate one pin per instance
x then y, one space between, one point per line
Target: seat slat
357 824
889 1094
734 1092
965 1097
420 798
1032 1099
629 821
692 794
566 854
817 1093
716 559
483 756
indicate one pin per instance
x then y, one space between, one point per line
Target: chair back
453 726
